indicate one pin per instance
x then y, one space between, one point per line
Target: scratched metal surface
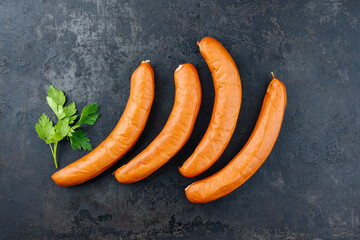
307 189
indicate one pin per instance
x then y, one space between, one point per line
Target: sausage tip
180 66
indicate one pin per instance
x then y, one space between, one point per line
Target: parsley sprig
66 125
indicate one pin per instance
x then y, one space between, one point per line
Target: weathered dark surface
307 189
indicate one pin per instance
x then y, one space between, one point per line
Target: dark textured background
307 189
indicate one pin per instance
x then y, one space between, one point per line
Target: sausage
250 158
176 131
225 112
122 138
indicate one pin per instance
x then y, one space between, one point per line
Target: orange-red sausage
121 139
226 108
250 158
176 131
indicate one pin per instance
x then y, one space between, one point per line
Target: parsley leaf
62 129
88 115
66 116
70 112
57 95
45 128
56 100
79 140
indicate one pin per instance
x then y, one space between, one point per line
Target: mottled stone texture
307 189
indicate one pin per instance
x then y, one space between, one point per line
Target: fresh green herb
66 125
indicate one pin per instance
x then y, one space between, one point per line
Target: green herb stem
54 154
55 147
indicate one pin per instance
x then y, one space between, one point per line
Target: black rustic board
309 187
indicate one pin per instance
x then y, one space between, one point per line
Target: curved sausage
252 156
121 139
226 108
176 131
